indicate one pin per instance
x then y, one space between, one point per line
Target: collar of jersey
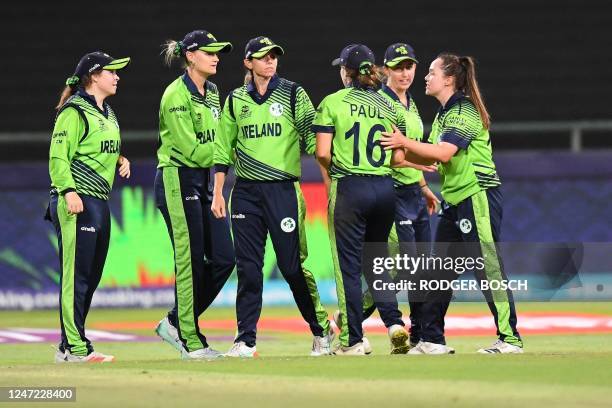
362 87
191 86
394 96
457 96
252 90
92 101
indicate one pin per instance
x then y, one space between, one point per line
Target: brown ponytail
463 69
71 87
365 77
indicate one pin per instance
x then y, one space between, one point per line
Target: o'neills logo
88 229
178 109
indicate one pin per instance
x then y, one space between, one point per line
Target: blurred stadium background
542 68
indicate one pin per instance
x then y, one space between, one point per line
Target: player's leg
77 243
484 212
249 232
284 212
346 225
380 218
220 257
435 305
183 215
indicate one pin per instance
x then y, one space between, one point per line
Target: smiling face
205 63
435 81
264 66
105 81
401 76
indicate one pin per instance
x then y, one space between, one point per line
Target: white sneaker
399 339
367 347
169 334
322 346
93 357
425 347
241 350
354 350
501 347
207 353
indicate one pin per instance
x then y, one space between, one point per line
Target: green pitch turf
555 371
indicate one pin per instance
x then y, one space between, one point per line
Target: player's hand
431 199
73 202
428 169
218 206
124 167
393 140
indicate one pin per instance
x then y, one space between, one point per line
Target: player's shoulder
212 87
463 112
176 90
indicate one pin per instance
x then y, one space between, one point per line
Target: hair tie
72 81
178 50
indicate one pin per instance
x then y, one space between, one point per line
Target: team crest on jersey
198 118
215 113
287 224
102 125
276 109
465 225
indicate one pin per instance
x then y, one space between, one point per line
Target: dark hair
366 77
463 69
69 90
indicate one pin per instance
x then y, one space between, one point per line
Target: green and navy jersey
414 130
85 147
471 169
263 134
188 124
356 117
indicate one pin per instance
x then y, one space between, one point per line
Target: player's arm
304 116
176 114
225 143
69 128
323 126
418 152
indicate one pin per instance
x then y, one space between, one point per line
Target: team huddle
368 140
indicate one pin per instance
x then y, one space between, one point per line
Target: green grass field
556 370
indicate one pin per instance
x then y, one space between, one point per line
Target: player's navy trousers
361 210
477 220
411 226
83 244
203 249
278 208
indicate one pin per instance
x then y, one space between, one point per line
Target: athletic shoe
207 353
322 346
399 339
241 350
501 347
354 350
169 334
93 357
367 347
425 347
